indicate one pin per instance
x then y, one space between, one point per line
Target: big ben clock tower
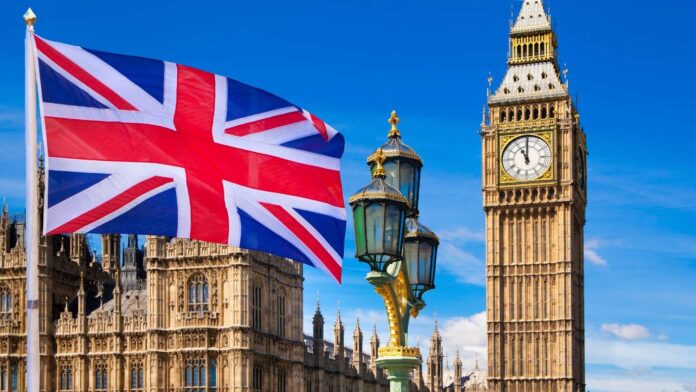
534 197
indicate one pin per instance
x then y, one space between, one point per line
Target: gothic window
256 306
524 50
544 75
506 90
520 89
282 380
136 376
536 110
66 375
3 377
537 88
536 49
526 113
542 47
543 112
552 113
530 77
5 303
280 309
519 51
551 86
515 78
257 378
198 293
502 115
101 378
195 375
519 114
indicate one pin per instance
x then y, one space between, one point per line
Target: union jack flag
143 146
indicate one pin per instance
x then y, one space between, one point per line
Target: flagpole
32 213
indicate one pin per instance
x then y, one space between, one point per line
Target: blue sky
351 62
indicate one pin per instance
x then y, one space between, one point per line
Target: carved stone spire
357 346
339 335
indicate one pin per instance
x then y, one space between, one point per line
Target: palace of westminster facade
179 315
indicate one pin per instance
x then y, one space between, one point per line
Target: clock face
527 158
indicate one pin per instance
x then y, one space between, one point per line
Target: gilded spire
393 120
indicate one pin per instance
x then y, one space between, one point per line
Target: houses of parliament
180 315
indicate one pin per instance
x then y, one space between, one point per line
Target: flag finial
29 17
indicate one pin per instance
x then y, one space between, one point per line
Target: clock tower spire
534 197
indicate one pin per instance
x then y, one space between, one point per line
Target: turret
357 347
78 248
435 356
374 350
318 332
458 373
111 252
339 342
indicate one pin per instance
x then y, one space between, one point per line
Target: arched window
519 51
552 112
101 378
195 374
137 380
282 380
511 115
257 378
519 114
524 50
542 47
5 303
536 49
537 88
65 377
280 313
256 301
198 293
503 114
526 114
520 89
535 113
543 112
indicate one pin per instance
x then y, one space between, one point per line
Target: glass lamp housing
420 256
379 214
402 167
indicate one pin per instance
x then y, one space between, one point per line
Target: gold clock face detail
527 158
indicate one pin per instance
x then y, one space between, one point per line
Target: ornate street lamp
401 252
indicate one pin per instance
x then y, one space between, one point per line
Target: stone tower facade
534 196
434 381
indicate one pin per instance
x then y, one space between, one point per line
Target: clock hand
526 152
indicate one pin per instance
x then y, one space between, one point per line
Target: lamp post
400 251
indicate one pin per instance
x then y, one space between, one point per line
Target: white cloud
640 354
591 247
627 331
453 257
469 335
633 384
466 267
462 235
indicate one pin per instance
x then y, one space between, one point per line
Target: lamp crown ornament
393 120
379 161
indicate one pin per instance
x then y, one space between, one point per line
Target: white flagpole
32 214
